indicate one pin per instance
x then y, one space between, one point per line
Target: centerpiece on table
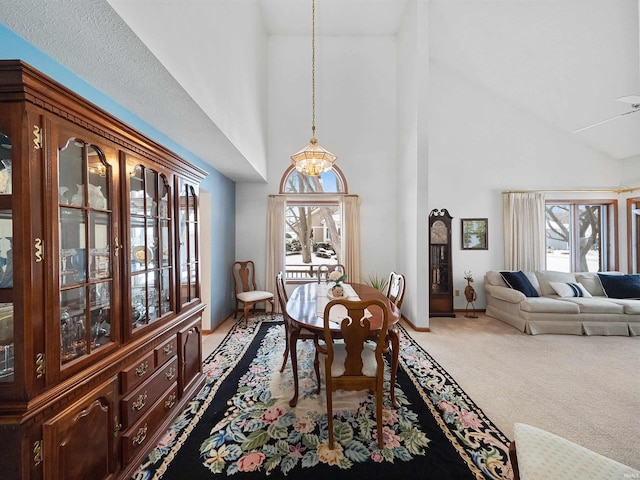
336 279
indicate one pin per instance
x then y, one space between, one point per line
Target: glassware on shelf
6 342
66 339
6 279
78 198
5 177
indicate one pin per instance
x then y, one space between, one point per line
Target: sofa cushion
631 306
493 277
505 293
620 286
591 282
601 306
548 305
547 276
569 289
519 281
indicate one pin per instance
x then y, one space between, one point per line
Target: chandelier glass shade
313 160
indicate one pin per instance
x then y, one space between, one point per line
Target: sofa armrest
505 293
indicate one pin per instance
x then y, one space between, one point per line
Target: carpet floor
240 423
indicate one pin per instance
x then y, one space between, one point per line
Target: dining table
305 309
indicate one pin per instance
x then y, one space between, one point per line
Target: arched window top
331 182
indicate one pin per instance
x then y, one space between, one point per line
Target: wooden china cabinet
100 311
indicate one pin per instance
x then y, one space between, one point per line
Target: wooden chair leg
316 366
286 352
513 456
379 419
330 417
247 307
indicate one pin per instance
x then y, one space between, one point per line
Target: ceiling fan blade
632 99
637 109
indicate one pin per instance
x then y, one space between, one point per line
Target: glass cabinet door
189 255
150 238
6 260
85 270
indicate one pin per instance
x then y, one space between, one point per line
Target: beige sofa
550 313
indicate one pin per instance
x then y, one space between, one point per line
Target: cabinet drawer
137 373
166 351
137 438
139 402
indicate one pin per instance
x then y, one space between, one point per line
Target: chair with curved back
325 269
288 327
353 363
244 278
395 288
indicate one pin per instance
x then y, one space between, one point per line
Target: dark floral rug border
255 434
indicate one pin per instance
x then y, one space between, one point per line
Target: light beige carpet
585 389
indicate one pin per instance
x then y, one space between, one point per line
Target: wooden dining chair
352 363
395 288
325 269
304 334
244 278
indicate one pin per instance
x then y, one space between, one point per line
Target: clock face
439 232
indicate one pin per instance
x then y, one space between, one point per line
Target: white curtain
524 230
351 236
275 243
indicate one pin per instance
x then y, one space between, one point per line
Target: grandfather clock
440 269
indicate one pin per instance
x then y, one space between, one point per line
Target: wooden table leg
294 333
395 350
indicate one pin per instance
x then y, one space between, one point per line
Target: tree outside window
313 220
579 235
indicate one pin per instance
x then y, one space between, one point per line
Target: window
580 235
313 222
633 209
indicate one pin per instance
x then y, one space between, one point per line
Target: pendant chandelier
313 159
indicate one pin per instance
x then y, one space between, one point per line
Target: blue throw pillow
620 286
519 281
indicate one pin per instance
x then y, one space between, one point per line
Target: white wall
355 119
413 154
483 141
235 100
413 131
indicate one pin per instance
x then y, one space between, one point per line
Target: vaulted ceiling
136 50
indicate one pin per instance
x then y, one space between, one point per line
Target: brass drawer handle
168 350
117 426
170 402
170 373
142 369
140 436
140 402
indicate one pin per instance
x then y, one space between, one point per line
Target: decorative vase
337 291
62 195
96 197
78 198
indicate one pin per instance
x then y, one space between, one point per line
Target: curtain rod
584 190
318 194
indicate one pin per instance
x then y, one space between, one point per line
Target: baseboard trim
417 329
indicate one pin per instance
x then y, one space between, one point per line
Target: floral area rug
240 425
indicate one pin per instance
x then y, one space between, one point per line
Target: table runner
339 311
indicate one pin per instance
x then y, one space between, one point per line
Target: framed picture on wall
474 234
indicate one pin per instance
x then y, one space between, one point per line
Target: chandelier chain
313 68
